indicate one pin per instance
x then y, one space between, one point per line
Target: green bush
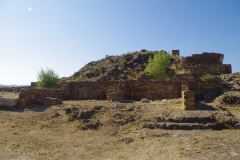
47 78
157 67
209 77
123 63
94 63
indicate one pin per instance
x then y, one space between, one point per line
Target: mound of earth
125 66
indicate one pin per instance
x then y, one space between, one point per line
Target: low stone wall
118 90
7 102
154 90
42 96
116 94
205 90
136 90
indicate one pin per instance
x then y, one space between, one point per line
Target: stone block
7 102
115 94
188 100
51 101
175 53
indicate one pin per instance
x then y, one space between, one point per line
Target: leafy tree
157 67
47 78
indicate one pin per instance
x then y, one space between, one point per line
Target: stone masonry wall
215 70
42 96
117 90
199 64
202 59
8 102
136 90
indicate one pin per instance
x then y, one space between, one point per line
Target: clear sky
67 34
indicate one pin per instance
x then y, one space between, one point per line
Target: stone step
197 116
184 126
193 119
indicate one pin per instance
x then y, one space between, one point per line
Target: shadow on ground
199 106
33 108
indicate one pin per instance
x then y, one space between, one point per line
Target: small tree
47 78
157 66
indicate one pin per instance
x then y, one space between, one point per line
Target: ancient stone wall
204 69
90 90
202 59
136 90
8 102
42 96
116 94
118 90
206 90
154 90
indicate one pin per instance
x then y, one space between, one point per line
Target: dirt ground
48 132
11 95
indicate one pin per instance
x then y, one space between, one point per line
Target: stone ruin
200 64
186 85
8 102
116 94
188 100
175 53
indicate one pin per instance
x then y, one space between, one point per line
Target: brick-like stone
188 100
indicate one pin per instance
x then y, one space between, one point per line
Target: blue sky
66 35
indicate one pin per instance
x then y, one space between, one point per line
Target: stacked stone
203 59
115 94
175 53
41 96
187 98
8 102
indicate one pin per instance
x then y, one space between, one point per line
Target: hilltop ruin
116 90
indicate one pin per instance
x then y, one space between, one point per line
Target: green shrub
157 67
209 77
94 63
123 63
47 78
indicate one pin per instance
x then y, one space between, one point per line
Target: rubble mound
125 66
232 79
121 114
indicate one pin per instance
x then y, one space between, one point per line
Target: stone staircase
215 120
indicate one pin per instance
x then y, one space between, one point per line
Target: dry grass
12 95
34 133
